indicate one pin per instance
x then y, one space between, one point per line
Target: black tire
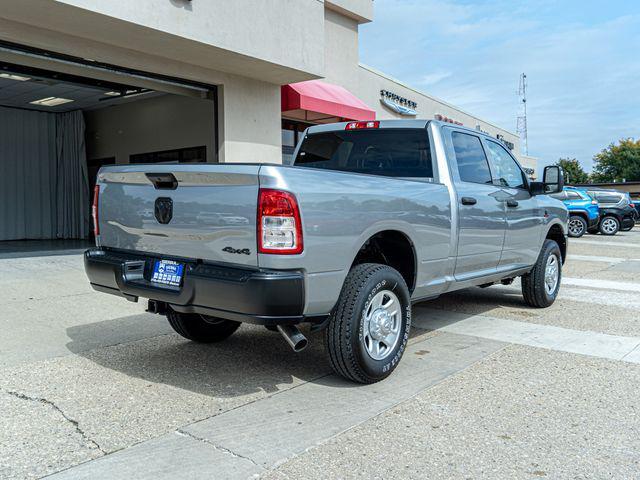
534 289
577 226
627 229
201 328
345 336
604 225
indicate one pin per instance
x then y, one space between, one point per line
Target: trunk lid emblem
164 209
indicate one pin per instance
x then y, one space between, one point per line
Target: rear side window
607 198
472 162
573 195
387 152
559 195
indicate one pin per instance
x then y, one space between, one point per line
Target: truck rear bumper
264 297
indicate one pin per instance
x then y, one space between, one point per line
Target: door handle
468 201
512 203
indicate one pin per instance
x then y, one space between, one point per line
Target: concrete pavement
93 387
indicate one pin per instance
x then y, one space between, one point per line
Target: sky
581 58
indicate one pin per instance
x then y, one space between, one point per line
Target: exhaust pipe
294 337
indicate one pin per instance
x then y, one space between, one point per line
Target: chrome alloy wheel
551 274
609 225
576 227
382 321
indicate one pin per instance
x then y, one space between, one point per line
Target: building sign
398 104
443 118
507 143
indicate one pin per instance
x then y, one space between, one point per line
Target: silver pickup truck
370 218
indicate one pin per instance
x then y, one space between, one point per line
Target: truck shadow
474 301
252 360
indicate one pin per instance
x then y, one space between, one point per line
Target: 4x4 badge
244 251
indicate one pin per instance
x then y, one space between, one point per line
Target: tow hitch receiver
155 306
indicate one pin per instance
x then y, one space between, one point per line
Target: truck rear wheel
201 328
541 285
369 327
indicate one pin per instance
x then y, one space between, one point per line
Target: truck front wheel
201 328
369 326
541 285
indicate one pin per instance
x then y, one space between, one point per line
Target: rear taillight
632 205
594 202
361 125
94 210
279 225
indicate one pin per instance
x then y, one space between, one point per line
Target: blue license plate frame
167 272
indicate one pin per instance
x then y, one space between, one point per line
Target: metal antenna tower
521 127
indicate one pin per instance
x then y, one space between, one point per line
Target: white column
249 121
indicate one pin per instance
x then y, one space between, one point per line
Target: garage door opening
57 129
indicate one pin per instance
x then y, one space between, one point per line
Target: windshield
388 152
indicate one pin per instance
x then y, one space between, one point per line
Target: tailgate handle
163 181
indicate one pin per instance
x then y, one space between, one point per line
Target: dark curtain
44 190
72 183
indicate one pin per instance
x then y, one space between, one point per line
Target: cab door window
506 172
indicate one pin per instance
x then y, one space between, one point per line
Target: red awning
314 100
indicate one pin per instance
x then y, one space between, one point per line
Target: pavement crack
70 420
217 447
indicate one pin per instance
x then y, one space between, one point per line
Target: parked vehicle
636 205
616 212
371 217
584 212
636 213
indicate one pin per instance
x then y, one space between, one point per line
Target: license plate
167 272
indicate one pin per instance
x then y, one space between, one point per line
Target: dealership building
86 83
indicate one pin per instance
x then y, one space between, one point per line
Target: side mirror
552 181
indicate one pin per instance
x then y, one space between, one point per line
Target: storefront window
182 155
291 134
288 138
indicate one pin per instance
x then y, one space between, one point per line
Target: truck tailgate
199 211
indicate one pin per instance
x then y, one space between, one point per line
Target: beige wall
359 10
274 40
340 49
154 124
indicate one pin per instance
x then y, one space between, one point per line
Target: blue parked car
584 212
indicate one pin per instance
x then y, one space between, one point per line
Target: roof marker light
362 125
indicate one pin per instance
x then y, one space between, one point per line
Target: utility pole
521 126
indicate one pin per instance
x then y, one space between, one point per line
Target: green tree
573 171
618 162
